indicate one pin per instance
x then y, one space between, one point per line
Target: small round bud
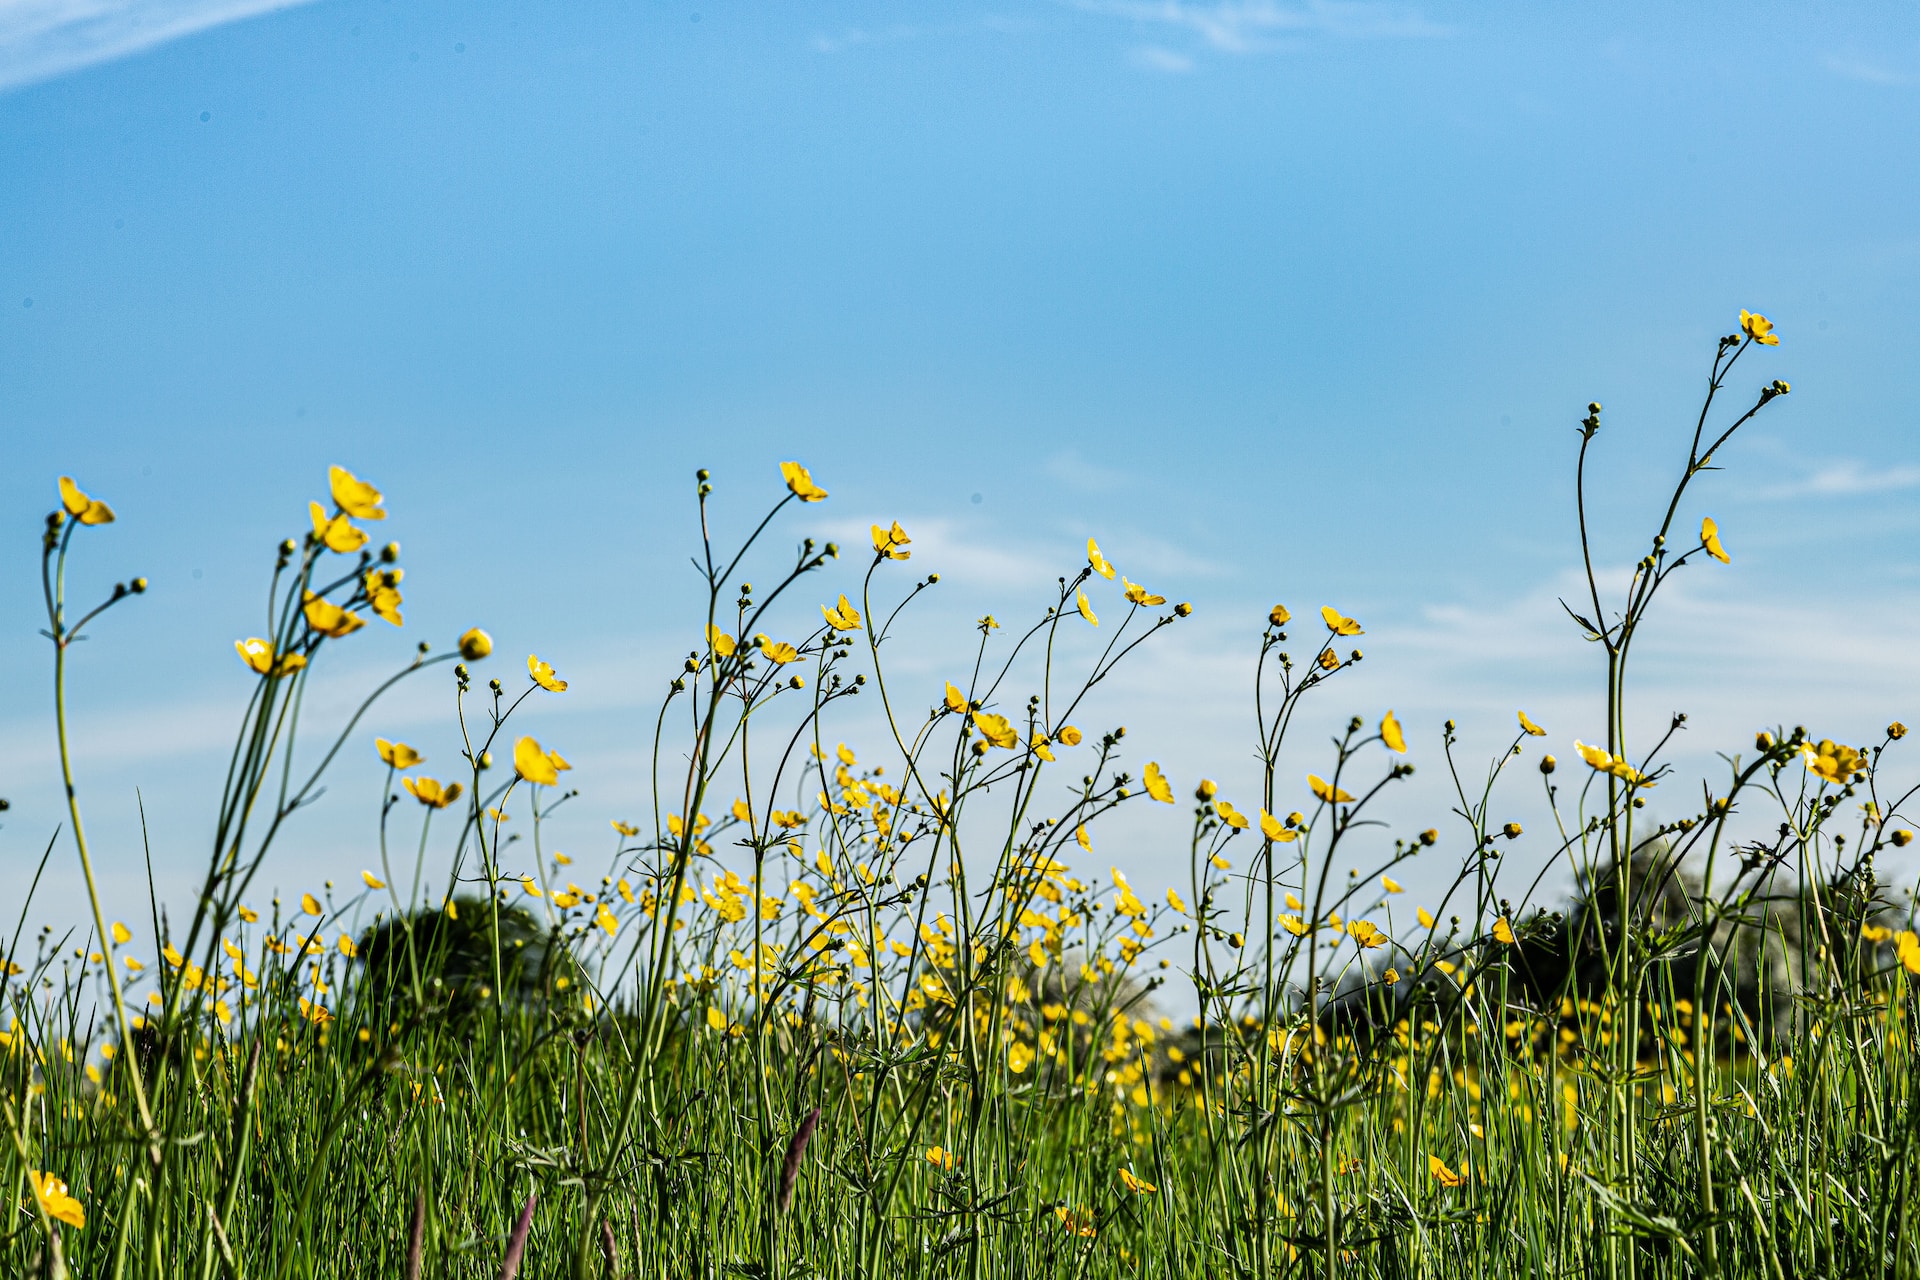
1429 837
1235 941
460 671
1207 790
287 548
1511 831
475 644
703 475
494 685
832 550
1639 802
1763 741
932 578
1593 406
1182 610
1548 764
486 759
390 553
1901 838
140 584
797 682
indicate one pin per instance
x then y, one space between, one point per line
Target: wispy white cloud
40 39
1865 70
1845 478
1258 26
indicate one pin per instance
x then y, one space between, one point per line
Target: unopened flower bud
486 759
1206 790
390 552
475 644
1896 730
1511 830
1429 837
703 475
832 550
1901 838
1183 609
140 584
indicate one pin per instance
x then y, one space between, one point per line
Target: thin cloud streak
42 39
1260 26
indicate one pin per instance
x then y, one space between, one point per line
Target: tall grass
848 1011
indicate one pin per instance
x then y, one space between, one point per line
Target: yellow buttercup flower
1532 729
1275 830
354 496
258 654
1156 783
51 1194
628 830
1098 561
941 1158
328 618
956 700
82 508
1294 925
121 934
1086 610
1069 736
716 1019
1040 747
1391 735
996 729
430 792
1137 594
1278 616
843 618
1759 328
1231 816
800 483
1424 916
372 881
1601 761
1328 660
347 948
1138 1186
1391 885
1907 946
1832 762
1446 1177
779 653
337 532
1710 540
537 765
1019 1056
383 593
891 543
311 905
542 673
475 644
605 918
1081 838
1340 624
1174 901
397 754
1503 931
1326 791
1365 934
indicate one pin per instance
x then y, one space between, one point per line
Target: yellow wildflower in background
941 1158
1338 623
1275 830
536 765
1391 885
1098 561
1759 328
353 495
800 483
1326 791
1391 735
336 533
372 881
328 618
259 655
397 754
1137 594
82 508
1503 931
842 618
51 1194
1445 1176
1710 540
996 729
1138 1186
1231 816
1086 610
542 673
475 644
1532 729
429 792
1832 762
311 905
891 543
1279 616
1156 783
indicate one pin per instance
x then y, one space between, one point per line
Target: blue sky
1281 302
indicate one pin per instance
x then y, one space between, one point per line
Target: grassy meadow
865 1009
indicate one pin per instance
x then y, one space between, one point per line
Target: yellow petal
1710 539
1098 561
1503 931
311 905
256 653
533 764
543 676
1531 727
1086 610
121 935
1326 791
372 881
956 701
1278 832
74 501
1279 616
800 483
1339 624
1391 735
353 495
1156 782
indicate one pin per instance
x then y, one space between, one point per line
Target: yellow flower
1081 838
1098 561
1138 594
317 1014
1908 947
800 483
1339 624
890 542
537 765
1278 616
1531 728
1391 885
121 935
1446 1177
50 1193
1275 830
429 792
996 729
1391 976
1710 539
328 618
397 754
1138 1186
1601 761
716 1019
1327 791
1759 328
1424 916
607 920
1365 934
1068 736
1156 783
1328 660
311 905
543 676
475 644
1040 747
941 1158
258 654
82 508
372 881
529 887
1230 815
1086 610
1293 925
628 830
779 653
222 1011
353 495
249 915
1391 735
1019 1056
1502 931
336 533
1173 900
1832 762
843 618
1079 1224
383 593
955 700
347 948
